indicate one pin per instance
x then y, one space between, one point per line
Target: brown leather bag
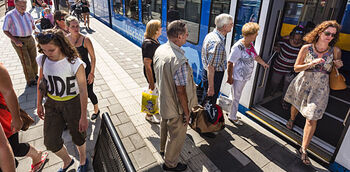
336 80
200 123
26 119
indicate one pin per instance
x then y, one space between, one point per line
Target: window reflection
218 7
132 9
189 11
248 11
118 6
151 9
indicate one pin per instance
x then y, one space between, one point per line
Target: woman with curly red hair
309 91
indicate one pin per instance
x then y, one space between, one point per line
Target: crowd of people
66 75
65 80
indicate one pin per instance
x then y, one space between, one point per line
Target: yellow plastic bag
149 102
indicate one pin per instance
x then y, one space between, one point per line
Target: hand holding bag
150 102
43 81
26 119
336 80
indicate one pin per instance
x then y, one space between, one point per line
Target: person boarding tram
309 91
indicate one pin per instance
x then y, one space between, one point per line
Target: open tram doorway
284 16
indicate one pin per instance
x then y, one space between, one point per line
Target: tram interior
300 12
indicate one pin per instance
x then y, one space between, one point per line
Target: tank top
84 53
5 117
324 67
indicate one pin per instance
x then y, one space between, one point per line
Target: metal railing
110 154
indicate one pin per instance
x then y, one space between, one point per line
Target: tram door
285 15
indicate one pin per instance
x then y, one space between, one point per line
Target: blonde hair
152 27
250 28
69 19
47 10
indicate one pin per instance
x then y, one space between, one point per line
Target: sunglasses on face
45 38
299 32
329 34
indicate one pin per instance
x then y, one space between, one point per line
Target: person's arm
39 99
337 58
13 39
211 73
6 5
261 61
7 160
147 62
91 51
299 63
81 79
10 97
180 79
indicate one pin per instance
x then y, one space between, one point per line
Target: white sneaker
152 119
236 122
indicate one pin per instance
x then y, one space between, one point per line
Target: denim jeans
38 11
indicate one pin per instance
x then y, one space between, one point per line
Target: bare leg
88 20
84 15
63 154
96 108
34 154
293 112
82 153
309 130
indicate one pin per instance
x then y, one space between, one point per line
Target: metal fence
110 154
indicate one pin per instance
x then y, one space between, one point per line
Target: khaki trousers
27 55
177 134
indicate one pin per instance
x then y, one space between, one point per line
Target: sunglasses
329 34
45 38
299 32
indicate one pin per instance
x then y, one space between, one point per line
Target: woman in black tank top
85 48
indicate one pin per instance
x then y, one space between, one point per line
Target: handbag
26 119
149 102
43 81
336 80
200 123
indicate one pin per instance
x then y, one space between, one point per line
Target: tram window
189 11
151 9
132 9
218 7
118 6
248 11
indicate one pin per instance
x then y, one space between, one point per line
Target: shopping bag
149 102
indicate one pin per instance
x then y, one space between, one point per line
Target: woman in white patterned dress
309 91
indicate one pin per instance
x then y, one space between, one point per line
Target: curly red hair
312 37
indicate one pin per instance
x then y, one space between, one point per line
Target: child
48 15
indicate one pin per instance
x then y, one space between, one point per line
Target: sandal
40 165
290 124
304 158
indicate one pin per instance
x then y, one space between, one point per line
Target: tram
331 143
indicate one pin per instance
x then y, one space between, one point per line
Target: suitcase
199 120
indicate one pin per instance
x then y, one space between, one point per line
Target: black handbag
43 81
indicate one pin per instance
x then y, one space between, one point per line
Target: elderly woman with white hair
214 56
241 64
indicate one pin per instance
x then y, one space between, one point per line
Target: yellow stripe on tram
286 135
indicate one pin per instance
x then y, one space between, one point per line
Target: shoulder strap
83 41
43 61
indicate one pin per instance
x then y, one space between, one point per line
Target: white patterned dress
309 90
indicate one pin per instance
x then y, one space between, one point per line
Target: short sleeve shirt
60 76
243 60
17 24
149 47
180 76
213 51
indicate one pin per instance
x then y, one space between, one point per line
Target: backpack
199 120
45 23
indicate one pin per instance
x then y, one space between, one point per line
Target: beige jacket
167 59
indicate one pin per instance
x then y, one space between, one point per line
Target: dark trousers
218 76
19 149
91 94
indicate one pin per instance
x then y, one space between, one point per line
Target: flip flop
40 165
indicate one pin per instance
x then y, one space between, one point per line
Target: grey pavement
118 86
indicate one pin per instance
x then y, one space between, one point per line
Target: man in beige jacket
177 94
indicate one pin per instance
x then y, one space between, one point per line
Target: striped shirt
213 51
285 60
180 76
17 24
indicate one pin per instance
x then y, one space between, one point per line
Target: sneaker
84 168
65 169
152 119
179 167
236 122
95 115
